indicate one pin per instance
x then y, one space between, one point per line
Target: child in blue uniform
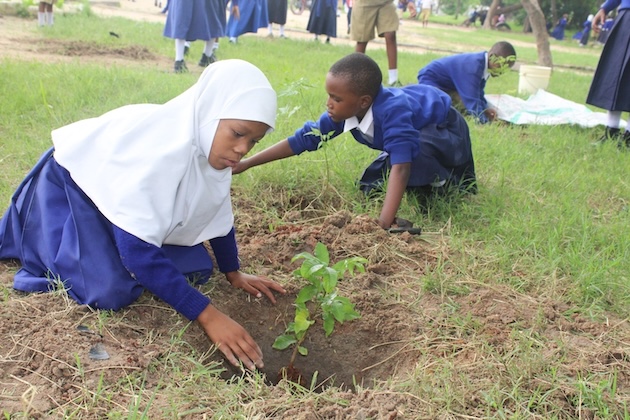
190 20
586 31
558 31
425 142
252 15
323 19
124 202
610 88
464 76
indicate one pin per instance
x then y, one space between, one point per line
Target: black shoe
186 50
180 67
609 134
207 60
624 141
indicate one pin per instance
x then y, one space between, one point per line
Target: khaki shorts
368 16
424 14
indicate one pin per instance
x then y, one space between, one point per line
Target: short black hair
504 49
362 74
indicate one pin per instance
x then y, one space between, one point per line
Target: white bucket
532 78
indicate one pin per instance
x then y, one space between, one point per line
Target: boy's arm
278 151
305 138
396 185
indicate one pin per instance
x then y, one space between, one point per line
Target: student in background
45 16
369 16
464 76
277 11
610 89
190 20
251 16
323 19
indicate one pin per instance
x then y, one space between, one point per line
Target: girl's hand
231 338
254 285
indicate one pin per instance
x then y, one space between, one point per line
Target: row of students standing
206 20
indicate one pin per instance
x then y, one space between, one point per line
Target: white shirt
365 126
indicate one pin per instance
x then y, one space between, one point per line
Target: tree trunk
491 12
539 28
527 27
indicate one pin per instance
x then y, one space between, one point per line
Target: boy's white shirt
146 167
365 126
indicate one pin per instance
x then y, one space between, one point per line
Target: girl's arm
396 185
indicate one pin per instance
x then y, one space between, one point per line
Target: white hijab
146 166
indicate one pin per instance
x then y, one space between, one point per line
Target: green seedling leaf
343 310
284 341
302 323
306 294
303 350
321 253
329 323
330 280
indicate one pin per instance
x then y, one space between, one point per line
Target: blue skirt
323 18
445 157
277 11
253 16
62 240
610 89
195 19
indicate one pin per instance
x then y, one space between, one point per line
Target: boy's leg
363 24
387 24
50 19
41 14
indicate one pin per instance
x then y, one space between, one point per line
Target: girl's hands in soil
231 338
254 285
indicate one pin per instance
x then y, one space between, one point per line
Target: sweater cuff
193 304
226 252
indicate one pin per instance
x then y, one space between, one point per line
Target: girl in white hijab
123 202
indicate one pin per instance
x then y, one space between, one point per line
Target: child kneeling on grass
123 202
425 142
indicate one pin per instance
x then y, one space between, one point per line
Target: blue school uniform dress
254 15
323 18
414 124
558 31
465 74
586 32
57 233
195 19
610 89
125 201
277 11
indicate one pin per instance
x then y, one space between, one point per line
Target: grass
550 220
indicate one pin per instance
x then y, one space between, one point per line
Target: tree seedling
321 290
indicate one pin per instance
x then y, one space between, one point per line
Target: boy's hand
491 114
254 285
240 167
231 338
